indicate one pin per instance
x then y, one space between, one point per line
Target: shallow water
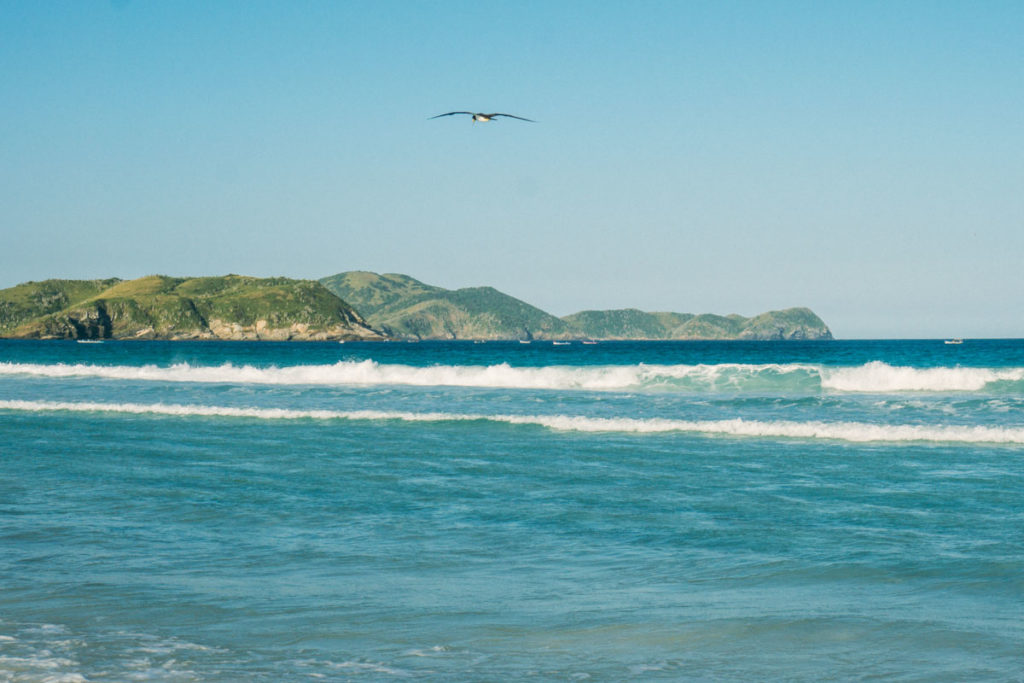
458 511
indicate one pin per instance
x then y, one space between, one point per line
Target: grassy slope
626 323
793 323
161 306
30 300
166 307
372 294
407 307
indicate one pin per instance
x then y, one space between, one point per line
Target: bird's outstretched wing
451 113
511 116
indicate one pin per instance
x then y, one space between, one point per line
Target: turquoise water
457 511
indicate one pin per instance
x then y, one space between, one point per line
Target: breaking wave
873 377
841 431
878 377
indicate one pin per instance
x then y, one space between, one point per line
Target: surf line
871 377
737 427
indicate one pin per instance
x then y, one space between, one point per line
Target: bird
482 117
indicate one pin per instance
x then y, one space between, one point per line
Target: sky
864 159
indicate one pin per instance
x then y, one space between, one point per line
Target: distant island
349 306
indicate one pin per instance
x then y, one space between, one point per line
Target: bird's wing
511 116
452 112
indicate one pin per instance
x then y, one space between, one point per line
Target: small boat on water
958 340
524 341
589 341
560 343
89 341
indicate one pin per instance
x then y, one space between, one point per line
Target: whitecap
842 431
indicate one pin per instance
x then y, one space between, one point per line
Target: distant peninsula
403 307
349 306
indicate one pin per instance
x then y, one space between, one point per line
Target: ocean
458 511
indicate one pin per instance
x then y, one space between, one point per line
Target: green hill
404 307
30 300
239 307
161 307
626 323
792 323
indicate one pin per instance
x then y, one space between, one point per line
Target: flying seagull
482 117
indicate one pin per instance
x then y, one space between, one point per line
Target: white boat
958 340
89 341
558 343
589 342
524 341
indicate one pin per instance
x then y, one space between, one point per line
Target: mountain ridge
352 305
408 308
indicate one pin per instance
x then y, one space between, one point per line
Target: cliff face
404 307
230 307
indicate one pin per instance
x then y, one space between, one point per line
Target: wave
840 431
879 377
872 377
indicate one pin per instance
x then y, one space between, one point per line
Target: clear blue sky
865 159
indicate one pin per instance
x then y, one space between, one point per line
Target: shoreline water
177 511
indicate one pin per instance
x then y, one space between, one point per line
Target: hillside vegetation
791 323
347 306
402 306
30 300
161 307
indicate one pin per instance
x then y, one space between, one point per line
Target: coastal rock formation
159 307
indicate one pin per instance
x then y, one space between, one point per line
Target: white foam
844 431
368 372
879 377
872 377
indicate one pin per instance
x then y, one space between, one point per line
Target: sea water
175 511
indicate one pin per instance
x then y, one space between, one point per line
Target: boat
524 341
588 341
560 343
958 340
89 341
